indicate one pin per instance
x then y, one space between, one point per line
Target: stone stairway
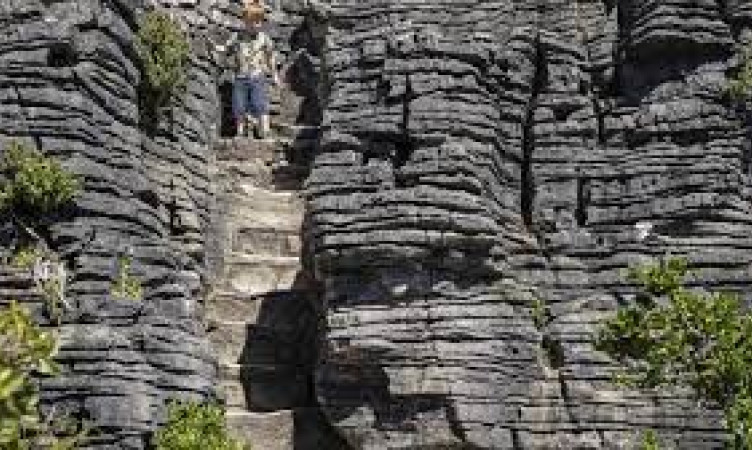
262 311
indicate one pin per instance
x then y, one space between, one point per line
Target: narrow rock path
262 311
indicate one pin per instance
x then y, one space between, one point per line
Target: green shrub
195 426
650 441
673 336
25 350
541 314
126 286
33 184
740 85
26 256
164 51
32 188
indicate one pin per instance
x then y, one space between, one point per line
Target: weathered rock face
68 84
69 77
475 156
478 155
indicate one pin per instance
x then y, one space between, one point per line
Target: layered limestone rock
69 84
479 155
474 156
69 87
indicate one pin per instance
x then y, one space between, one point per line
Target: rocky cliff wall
68 84
69 78
477 155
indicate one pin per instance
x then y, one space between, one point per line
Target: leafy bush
740 86
195 426
164 51
33 184
674 336
650 441
26 256
32 188
541 314
125 284
25 350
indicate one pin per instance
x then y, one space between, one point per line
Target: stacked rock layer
69 87
477 156
69 82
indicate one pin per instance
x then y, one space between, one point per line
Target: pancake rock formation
367 277
477 156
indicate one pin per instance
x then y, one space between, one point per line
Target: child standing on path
254 61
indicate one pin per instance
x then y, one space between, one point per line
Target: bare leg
240 127
265 126
252 122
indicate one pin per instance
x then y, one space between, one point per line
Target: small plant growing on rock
26 256
195 426
27 350
541 314
49 274
740 86
126 286
34 185
550 347
650 441
164 52
674 336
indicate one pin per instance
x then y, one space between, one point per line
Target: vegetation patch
26 257
164 52
675 336
740 85
33 189
34 185
195 426
25 350
541 314
126 286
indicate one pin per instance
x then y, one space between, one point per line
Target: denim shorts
250 96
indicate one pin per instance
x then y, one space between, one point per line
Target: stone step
264 241
259 309
283 144
295 131
259 344
274 176
249 199
233 393
259 274
298 429
248 149
289 176
267 431
284 218
243 222
285 182
264 388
